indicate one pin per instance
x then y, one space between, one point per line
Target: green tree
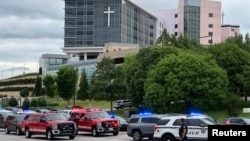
82 92
66 81
137 71
232 59
41 102
13 102
38 86
49 85
33 102
106 81
188 78
24 92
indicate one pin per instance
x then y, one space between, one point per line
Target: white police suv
167 129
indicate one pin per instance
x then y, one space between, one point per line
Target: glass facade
138 27
192 22
92 23
88 65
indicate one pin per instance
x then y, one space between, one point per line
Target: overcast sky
30 28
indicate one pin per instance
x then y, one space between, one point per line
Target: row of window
209 15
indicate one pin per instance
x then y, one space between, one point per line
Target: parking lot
122 136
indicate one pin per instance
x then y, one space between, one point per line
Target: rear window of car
163 122
133 120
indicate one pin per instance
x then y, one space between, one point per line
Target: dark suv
13 123
142 126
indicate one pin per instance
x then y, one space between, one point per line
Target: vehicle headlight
99 124
54 126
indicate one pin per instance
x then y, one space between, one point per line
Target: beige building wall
210 15
229 31
180 17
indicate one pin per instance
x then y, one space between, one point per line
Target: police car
167 129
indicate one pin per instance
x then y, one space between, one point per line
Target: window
89 32
194 122
176 26
210 41
232 29
163 122
151 27
133 120
146 120
211 15
176 33
89 22
210 33
176 15
90 12
210 25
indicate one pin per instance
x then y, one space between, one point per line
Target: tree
106 81
49 85
82 92
24 92
66 81
38 86
185 78
137 71
13 102
232 59
33 102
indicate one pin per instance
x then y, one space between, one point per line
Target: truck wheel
115 133
27 133
7 131
168 138
136 135
94 132
18 131
71 137
49 135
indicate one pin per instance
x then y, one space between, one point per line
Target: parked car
120 104
13 123
3 116
238 120
121 121
142 125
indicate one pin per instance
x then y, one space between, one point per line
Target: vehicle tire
115 133
27 133
71 137
18 131
7 131
121 107
168 138
137 135
49 135
94 132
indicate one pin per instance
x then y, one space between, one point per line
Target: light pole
211 38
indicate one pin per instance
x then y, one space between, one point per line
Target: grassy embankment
218 115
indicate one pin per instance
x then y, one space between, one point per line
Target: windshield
208 121
19 118
55 117
100 115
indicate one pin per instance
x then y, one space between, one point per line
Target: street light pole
211 38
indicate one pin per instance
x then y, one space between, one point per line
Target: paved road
122 136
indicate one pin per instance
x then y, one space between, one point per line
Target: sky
30 28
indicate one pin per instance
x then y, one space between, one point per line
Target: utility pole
222 15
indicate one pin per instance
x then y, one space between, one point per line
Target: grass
85 103
219 115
